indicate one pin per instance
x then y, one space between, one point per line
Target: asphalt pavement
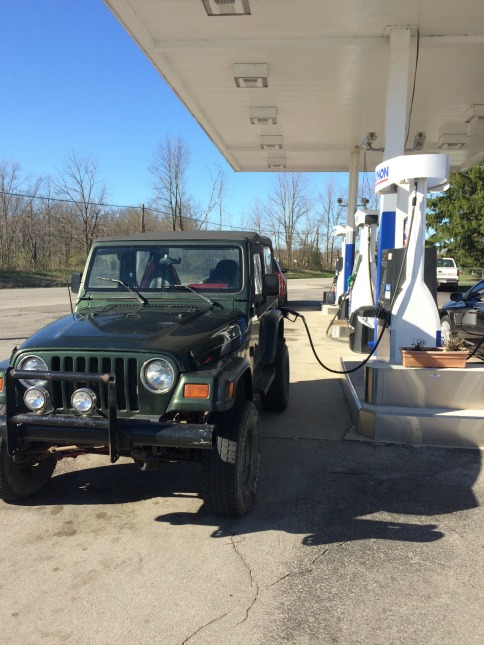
351 542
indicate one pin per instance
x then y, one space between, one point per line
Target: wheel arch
238 373
274 332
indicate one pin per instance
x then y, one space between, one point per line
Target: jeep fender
273 330
238 372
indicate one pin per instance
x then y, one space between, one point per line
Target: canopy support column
350 216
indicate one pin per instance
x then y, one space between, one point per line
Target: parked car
282 283
463 316
172 337
447 273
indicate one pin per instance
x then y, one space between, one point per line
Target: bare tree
257 217
129 220
11 204
309 239
169 166
330 214
51 216
31 226
287 204
80 185
216 199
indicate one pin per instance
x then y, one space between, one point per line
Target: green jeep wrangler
172 336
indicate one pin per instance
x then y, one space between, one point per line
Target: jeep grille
125 369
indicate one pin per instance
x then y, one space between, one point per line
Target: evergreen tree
456 218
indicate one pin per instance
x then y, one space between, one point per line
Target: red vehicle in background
282 284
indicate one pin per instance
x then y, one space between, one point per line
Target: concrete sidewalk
317 408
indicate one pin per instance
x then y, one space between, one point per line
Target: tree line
455 219
50 223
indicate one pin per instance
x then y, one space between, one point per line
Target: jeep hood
202 334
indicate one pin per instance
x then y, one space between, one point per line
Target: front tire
230 470
277 397
20 481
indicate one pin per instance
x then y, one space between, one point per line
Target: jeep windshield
156 268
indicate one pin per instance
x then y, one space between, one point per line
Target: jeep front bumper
120 435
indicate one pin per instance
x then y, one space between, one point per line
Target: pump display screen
391 265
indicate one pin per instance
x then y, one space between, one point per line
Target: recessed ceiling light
271 142
251 75
227 7
277 163
447 141
475 113
263 115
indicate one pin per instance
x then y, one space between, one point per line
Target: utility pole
142 218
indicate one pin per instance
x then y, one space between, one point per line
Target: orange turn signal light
1 383
196 391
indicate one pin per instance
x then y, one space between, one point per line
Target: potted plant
452 354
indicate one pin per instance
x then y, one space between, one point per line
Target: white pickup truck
447 272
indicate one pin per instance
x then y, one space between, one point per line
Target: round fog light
36 398
83 400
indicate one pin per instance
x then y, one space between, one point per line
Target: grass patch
41 278
471 278
306 273
59 277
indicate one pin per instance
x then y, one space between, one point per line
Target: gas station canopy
297 85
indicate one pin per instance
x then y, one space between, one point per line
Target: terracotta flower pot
435 357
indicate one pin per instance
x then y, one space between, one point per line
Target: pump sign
381 174
402 170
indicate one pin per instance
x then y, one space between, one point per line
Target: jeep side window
257 275
268 260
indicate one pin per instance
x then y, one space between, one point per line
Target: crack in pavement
253 583
308 569
197 631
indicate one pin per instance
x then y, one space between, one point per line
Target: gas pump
340 231
363 291
362 296
407 310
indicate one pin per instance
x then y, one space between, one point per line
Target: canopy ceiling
327 66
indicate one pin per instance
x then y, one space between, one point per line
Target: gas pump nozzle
287 313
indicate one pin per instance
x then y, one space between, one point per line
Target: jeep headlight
157 375
34 363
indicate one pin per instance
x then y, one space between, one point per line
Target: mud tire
230 471
21 481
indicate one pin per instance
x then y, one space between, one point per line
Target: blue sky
74 81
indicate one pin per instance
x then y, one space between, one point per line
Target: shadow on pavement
326 491
332 492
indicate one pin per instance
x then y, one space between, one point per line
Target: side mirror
76 282
270 285
457 296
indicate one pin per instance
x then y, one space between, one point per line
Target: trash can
361 334
329 297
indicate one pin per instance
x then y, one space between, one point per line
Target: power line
104 205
